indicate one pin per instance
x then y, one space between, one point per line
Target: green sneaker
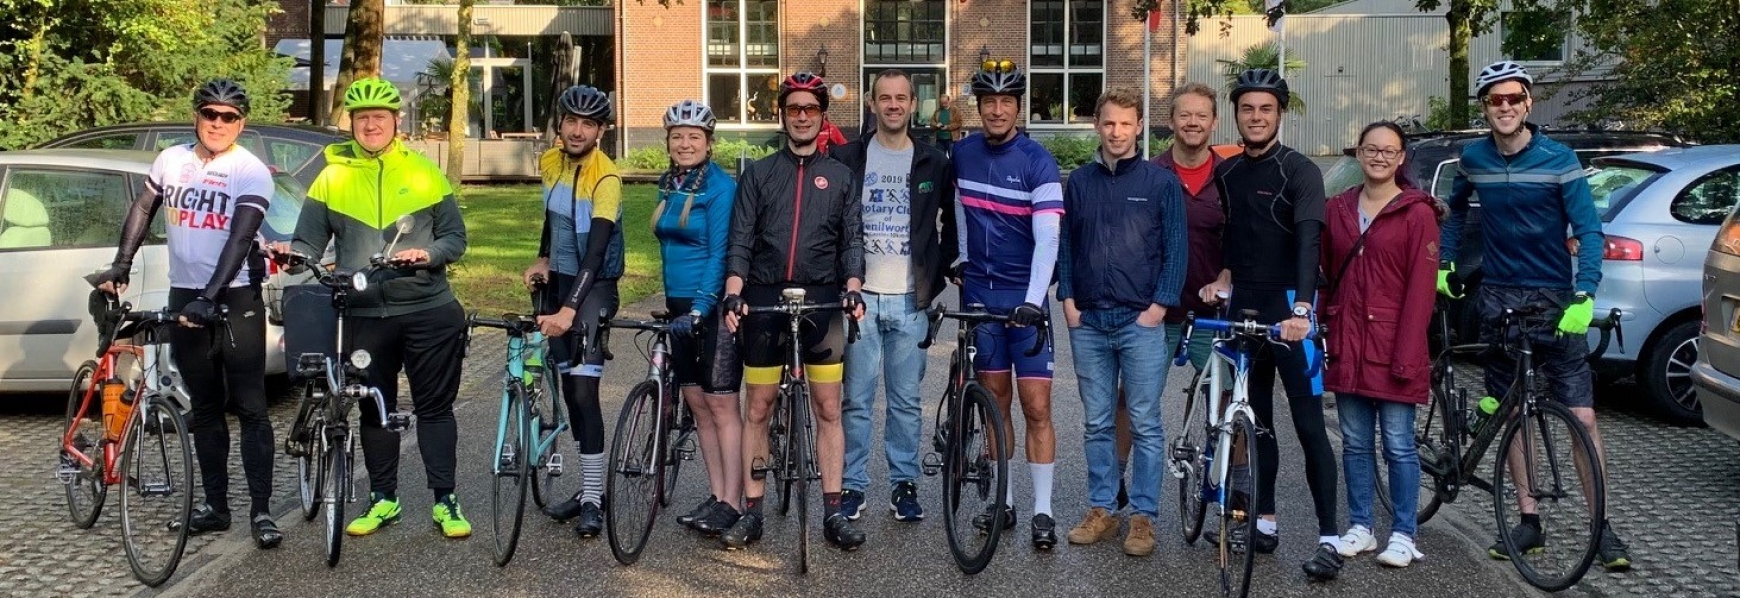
449 518
382 512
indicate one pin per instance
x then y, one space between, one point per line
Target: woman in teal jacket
693 223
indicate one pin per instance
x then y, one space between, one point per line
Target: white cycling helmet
1497 72
690 113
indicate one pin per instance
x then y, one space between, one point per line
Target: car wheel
1666 374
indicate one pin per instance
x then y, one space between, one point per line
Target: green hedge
1072 151
725 151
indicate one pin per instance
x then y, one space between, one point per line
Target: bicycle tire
337 491
544 480
1243 434
310 469
778 461
85 490
511 474
1188 456
801 449
1579 439
635 464
154 424
678 430
965 469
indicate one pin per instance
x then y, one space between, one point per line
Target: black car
297 150
1431 165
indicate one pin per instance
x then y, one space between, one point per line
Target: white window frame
1066 70
745 74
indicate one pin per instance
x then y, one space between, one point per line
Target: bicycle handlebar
1248 327
975 315
795 310
512 323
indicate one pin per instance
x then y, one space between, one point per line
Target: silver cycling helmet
690 113
1501 71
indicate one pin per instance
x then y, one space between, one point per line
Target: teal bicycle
528 434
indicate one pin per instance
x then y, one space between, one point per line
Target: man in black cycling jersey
1274 202
797 223
216 193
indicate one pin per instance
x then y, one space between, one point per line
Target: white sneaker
1357 540
1401 552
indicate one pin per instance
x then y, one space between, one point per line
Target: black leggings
428 345
228 377
1304 403
581 373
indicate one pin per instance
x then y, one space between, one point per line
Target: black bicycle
1540 439
791 439
972 452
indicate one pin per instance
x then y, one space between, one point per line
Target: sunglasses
998 66
794 111
227 117
1496 100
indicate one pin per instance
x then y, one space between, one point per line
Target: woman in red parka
1380 249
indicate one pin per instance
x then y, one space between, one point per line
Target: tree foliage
1678 73
67 65
364 33
1265 56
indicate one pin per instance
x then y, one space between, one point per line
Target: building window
1068 60
1534 35
743 60
904 31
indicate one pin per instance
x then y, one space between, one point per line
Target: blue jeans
1201 344
887 347
1358 416
1137 356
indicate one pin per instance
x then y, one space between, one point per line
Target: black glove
684 326
1026 314
117 274
956 272
854 300
732 304
200 310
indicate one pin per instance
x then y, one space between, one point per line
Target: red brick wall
807 27
663 49
291 23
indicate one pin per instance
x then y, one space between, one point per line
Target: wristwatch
1301 311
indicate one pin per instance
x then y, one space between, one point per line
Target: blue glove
685 326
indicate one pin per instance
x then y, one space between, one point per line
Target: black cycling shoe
1528 538
839 531
565 510
204 520
1044 532
266 534
746 531
982 521
1612 552
1264 544
591 521
702 510
718 519
1324 565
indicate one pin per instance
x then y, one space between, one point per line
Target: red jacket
1380 310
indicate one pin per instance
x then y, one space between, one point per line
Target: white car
60 217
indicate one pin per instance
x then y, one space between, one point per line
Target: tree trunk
1461 31
460 114
364 33
38 42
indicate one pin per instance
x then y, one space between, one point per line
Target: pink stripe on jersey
984 204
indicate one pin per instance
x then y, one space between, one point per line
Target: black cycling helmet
804 81
1006 80
1261 80
223 92
586 101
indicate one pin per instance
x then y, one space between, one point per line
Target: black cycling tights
428 345
1304 403
228 377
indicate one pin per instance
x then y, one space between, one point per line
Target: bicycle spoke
158 493
632 487
1538 457
975 480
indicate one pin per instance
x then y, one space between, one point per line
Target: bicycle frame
525 348
150 361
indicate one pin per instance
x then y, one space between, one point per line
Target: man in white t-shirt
214 196
907 196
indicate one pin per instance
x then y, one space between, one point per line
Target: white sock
592 478
1267 526
1041 487
1330 540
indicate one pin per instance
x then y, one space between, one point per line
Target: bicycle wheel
1243 496
511 474
83 426
778 464
337 455
310 468
549 458
802 453
157 496
1554 457
631 493
975 479
679 430
1189 461
1437 440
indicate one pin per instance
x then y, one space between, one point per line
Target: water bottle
1483 411
534 367
117 406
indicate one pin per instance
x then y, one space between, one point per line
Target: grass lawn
502 226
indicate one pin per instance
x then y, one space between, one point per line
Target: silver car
60 218
1717 373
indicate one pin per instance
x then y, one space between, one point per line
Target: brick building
731 54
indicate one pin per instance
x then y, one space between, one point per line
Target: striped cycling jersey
1009 204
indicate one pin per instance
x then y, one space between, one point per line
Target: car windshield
286 206
1345 173
1613 184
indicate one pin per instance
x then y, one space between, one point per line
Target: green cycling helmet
371 92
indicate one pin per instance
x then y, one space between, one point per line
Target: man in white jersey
214 194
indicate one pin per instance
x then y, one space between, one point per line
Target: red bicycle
123 428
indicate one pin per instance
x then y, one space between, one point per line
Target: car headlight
361 359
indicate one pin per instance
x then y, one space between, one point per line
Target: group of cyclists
881 225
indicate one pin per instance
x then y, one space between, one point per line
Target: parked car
60 217
1647 198
298 150
1716 375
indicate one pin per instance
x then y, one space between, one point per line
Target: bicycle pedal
932 463
758 469
67 471
159 489
398 422
553 467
